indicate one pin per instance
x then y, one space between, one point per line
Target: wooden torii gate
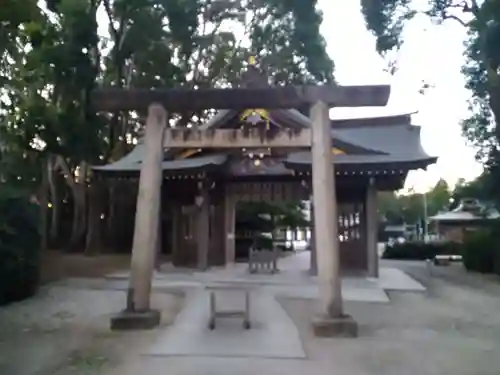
331 320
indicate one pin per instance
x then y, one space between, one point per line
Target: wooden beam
184 100
236 138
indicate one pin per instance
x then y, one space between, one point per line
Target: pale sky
431 53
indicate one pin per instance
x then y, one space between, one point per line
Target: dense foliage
55 52
411 207
481 250
420 250
19 246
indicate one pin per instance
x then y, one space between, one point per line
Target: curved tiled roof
133 164
387 145
390 145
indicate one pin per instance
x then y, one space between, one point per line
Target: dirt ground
56 265
452 328
63 329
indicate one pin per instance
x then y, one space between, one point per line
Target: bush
420 250
19 247
481 250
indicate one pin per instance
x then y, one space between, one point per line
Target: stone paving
292 281
273 334
449 331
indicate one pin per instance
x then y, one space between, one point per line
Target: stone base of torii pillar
138 313
331 320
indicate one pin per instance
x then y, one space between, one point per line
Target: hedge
420 250
19 247
481 250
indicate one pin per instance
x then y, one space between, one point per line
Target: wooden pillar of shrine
138 313
217 255
371 229
230 227
202 231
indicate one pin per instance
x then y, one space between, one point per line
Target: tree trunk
80 207
111 216
93 239
55 200
44 201
78 188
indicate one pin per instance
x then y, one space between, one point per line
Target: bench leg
211 321
246 321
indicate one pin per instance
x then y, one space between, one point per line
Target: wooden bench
445 260
244 313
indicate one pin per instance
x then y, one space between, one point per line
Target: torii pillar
138 313
331 320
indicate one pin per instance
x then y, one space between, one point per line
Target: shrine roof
366 141
132 162
391 146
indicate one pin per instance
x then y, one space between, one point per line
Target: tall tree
480 188
56 56
49 113
438 198
202 43
411 208
387 18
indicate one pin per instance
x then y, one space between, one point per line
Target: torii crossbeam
182 100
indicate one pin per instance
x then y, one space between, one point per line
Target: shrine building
201 187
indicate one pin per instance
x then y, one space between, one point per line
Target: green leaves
58 57
386 19
410 208
257 216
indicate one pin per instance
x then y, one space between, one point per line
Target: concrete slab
349 293
292 281
395 279
273 334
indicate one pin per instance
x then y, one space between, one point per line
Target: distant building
470 215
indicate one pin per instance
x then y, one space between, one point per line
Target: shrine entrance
260 238
256 94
